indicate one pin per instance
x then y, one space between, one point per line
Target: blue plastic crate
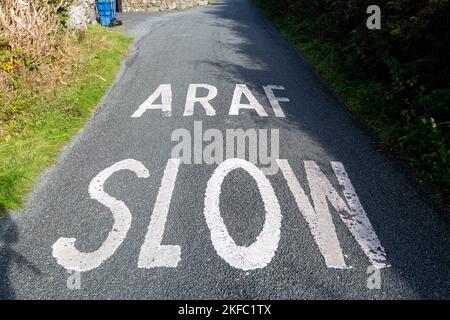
106 12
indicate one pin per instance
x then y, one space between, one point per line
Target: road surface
121 216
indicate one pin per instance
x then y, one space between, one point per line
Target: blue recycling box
106 11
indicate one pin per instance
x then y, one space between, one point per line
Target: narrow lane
139 222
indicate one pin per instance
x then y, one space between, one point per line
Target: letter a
165 91
236 105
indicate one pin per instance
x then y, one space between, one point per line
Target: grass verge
45 119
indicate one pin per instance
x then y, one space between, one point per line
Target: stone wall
159 5
81 13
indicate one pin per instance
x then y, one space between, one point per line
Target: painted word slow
257 255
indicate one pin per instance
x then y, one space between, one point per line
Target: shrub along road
120 216
42 116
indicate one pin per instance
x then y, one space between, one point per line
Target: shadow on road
9 235
415 236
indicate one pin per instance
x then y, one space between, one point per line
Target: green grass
54 117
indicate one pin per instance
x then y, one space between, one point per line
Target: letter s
64 248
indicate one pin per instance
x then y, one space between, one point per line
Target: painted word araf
164 93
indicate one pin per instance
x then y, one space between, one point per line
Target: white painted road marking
236 105
275 101
259 253
319 218
358 222
165 91
153 254
64 248
192 98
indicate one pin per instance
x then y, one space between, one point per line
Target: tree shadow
411 228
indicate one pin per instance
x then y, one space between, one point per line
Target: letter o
262 250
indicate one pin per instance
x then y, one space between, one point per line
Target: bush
396 78
30 27
32 43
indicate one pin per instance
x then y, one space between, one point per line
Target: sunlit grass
57 114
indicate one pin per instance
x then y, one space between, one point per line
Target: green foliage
8 61
396 78
40 122
63 11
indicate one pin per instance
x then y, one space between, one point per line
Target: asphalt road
221 45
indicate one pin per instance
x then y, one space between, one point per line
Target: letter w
319 217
